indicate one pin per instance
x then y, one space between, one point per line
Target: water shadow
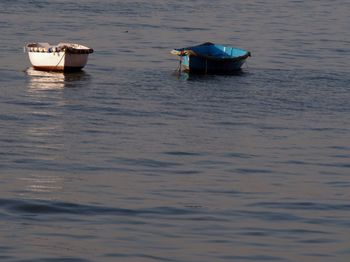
184 75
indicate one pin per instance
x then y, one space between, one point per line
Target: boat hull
209 58
57 61
203 65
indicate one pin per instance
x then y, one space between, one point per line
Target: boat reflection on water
48 80
181 75
45 130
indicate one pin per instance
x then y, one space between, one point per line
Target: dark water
126 161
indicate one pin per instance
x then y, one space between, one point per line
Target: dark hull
58 68
203 65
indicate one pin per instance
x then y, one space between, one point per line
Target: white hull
57 61
63 57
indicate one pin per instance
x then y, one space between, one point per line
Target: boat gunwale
61 47
188 51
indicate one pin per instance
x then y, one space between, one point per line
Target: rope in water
179 68
180 65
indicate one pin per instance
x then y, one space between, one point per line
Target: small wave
252 258
139 257
181 153
303 206
144 162
61 259
253 171
44 207
240 155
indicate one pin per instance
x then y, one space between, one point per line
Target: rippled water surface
129 161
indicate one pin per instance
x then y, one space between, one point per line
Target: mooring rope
64 54
180 64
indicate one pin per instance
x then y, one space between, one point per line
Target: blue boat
209 58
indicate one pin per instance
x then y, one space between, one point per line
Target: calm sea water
127 161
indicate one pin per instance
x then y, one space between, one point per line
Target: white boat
61 57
